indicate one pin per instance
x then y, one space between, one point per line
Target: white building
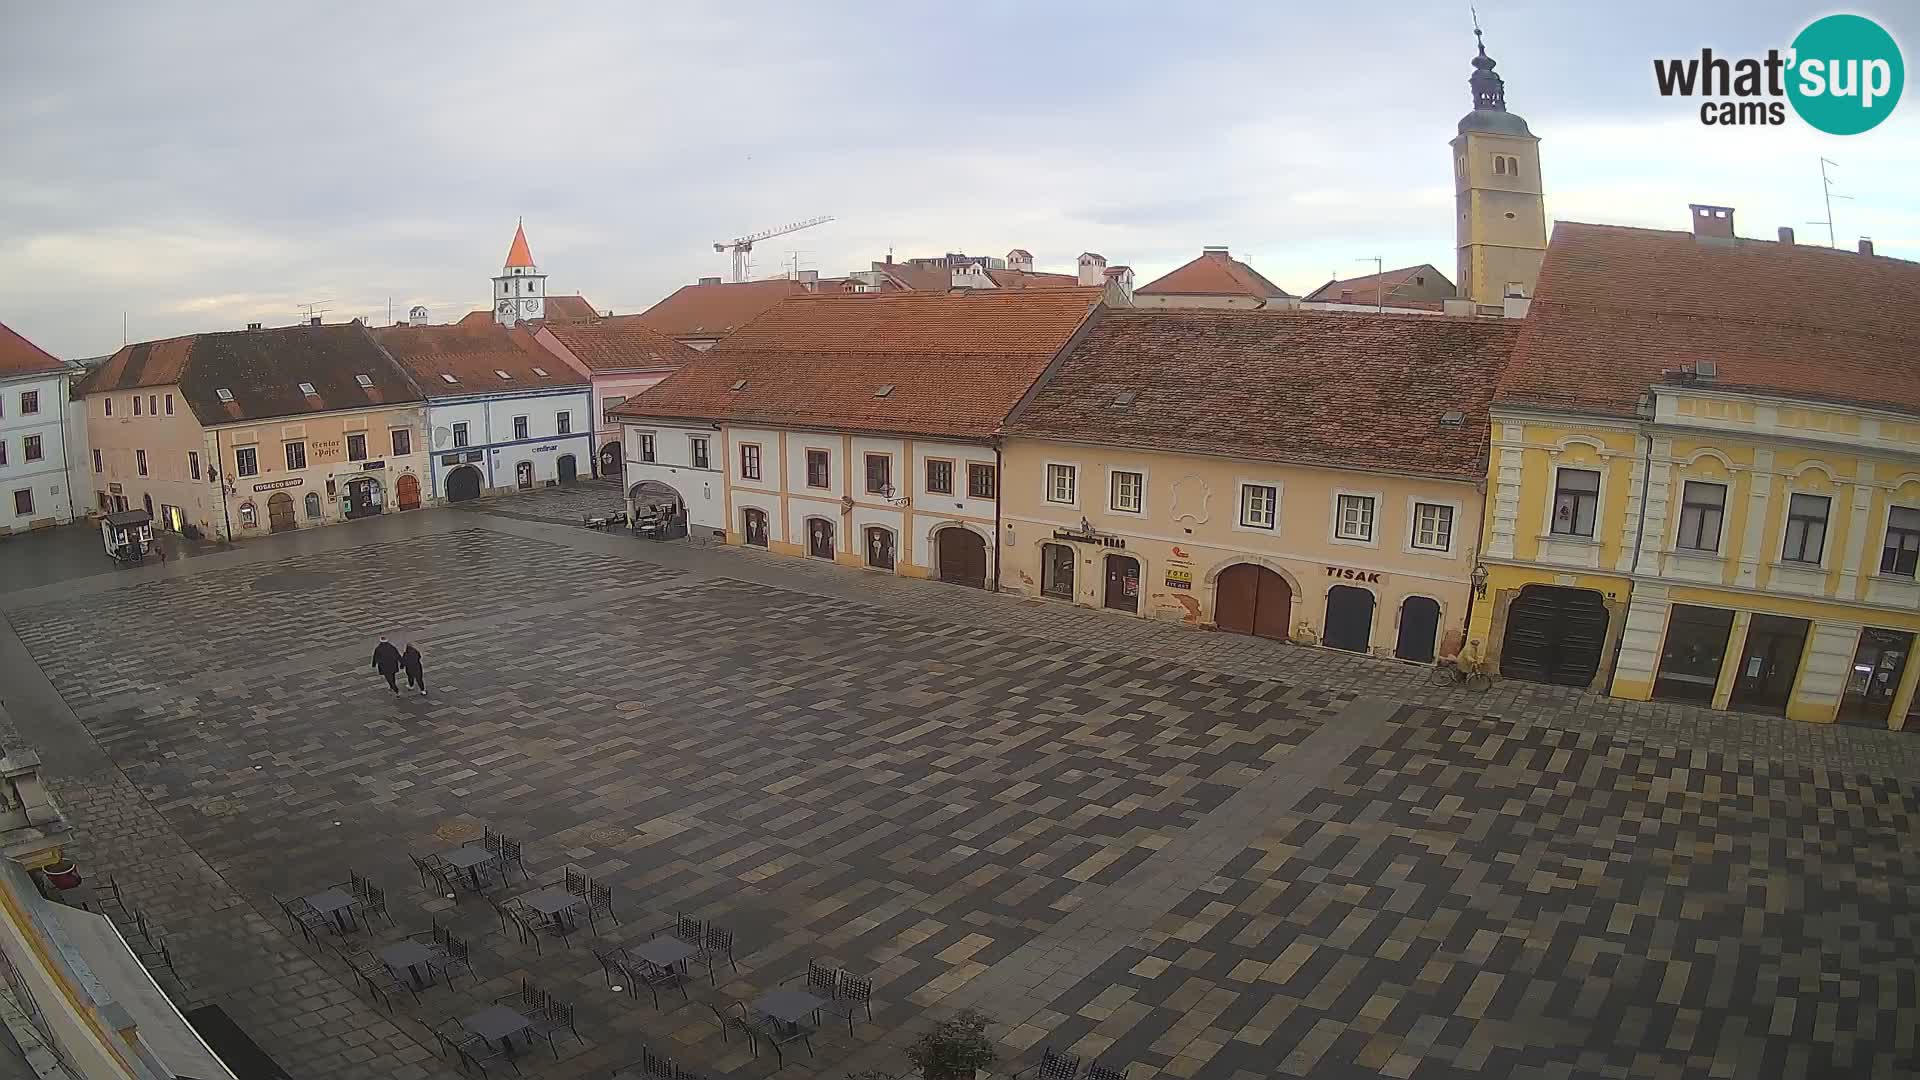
34 488
503 413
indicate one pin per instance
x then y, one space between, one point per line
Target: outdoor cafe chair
508 857
779 1033
655 977
720 943
1054 1065
557 1017
732 1016
854 993
613 964
1097 1071
373 901
475 1052
574 882
600 902
302 917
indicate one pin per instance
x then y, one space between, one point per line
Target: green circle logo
1846 74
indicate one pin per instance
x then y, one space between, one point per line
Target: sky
172 168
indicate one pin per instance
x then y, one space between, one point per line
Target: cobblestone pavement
1207 855
570 504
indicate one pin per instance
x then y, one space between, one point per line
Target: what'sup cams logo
1843 75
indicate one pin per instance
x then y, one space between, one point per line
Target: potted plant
62 874
955 1049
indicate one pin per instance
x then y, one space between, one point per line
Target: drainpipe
1639 539
226 519
998 544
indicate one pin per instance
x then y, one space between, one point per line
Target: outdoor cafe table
787 1005
410 955
663 952
332 903
497 1023
469 858
553 902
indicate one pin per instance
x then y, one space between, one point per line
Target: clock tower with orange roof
520 292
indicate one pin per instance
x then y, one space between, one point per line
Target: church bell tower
520 292
1501 216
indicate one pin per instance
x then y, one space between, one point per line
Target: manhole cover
295 581
937 669
608 835
217 807
628 707
458 832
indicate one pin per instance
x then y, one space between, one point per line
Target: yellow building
1704 483
1290 474
1500 212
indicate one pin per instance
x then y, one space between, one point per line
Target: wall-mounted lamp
1479 579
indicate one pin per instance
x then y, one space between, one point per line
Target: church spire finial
1489 91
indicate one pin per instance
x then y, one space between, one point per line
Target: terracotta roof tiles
1337 389
714 311
1377 288
18 356
474 356
620 343
1214 273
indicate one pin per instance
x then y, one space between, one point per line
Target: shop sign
1178 578
369 466
474 456
272 485
547 449
1088 536
1370 577
449 459
115 489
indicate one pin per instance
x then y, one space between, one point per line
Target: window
296 455
1127 491
459 434
140 461
448 379
1354 517
169 404
540 371
136 404
1806 529
313 505
247 516
1901 555
402 441
939 476
307 389
105 502
108 402
3 452
225 395
502 374
980 479
23 501
563 422
153 404
1060 483
1702 506
819 469
749 462
1432 526
646 446
698 444
246 461
30 402
357 446
879 474
96 459
30 447
519 427
365 381
1576 500
193 464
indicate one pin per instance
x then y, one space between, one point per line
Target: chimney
709 281
809 277
1786 235
1515 307
313 320
1457 305
1866 245
1712 222
1093 269
253 326
1216 249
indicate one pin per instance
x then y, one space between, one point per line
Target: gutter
998 486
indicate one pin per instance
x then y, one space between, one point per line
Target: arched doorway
1554 635
148 499
523 476
313 506
610 463
1349 619
408 492
364 498
1252 599
1057 562
651 498
963 556
753 526
280 513
1123 583
820 538
1419 627
569 469
879 548
463 483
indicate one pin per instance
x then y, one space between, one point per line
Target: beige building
256 431
1296 475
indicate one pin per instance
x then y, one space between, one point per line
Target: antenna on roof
315 309
1826 192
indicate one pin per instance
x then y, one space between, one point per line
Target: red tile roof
1616 306
1024 279
1380 288
558 309
1214 273
1338 389
620 343
714 311
18 356
474 356
262 370
956 362
518 254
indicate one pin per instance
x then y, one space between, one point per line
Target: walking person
386 660
416 674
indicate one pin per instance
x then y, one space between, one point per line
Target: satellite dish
442 436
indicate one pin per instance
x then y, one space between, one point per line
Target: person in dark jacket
386 660
416 674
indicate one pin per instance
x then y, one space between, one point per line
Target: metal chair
454 952
431 872
655 977
476 1052
373 901
689 929
614 963
724 1014
600 902
779 1033
302 917
854 993
822 982
656 1066
508 909
554 1019
508 857
380 979
1054 1065
574 882
720 943
530 998
1097 1071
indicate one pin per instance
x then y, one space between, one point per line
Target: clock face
505 307
531 305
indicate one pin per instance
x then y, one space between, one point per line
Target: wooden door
819 538
1123 583
463 483
280 512
1273 612
963 557
569 469
523 475
755 526
1554 635
408 490
1419 626
880 548
1236 598
1769 664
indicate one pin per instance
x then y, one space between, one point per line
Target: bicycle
1457 672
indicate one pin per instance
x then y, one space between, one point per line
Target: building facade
1705 477
240 434
620 356
36 490
1218 469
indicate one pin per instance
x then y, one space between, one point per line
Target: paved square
1115 851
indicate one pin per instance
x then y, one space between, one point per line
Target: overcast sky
201 166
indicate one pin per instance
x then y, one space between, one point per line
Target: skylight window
502 374
224 394
1123 399
307 389
540 371
450 380
1453 418
365 381
739 384
885 391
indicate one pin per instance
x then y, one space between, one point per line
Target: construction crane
741 246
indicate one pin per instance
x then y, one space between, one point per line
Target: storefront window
1690 661
1056 571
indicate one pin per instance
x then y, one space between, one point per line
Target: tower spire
1489 91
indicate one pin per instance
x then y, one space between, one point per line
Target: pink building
621 356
